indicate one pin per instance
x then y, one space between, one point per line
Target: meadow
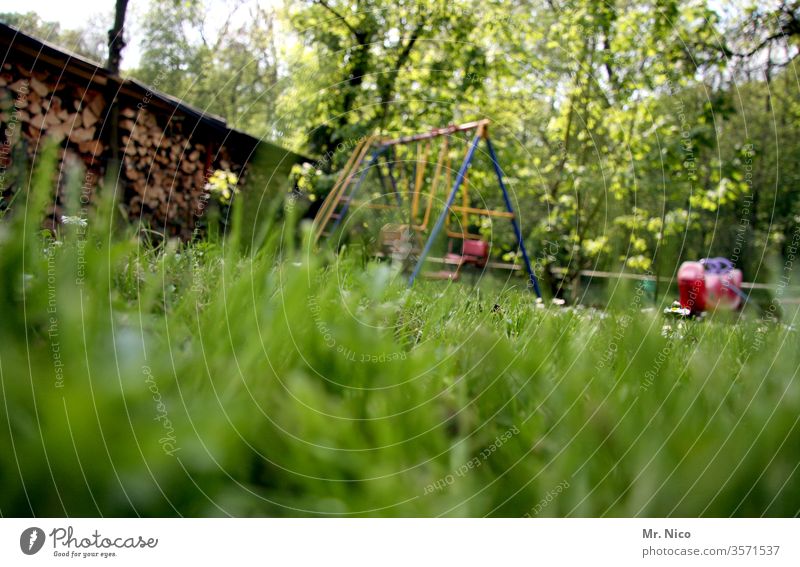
270 379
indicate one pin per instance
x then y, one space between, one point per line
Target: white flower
77 221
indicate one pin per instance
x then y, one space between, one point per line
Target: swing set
390 158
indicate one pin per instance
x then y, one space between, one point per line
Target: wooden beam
480 125
486 212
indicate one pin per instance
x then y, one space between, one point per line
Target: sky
72 15
69 14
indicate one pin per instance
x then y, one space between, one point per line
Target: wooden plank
494 265
486 212
341 189
436 132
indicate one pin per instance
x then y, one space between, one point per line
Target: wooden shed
168 150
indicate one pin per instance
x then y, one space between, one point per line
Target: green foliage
90 41
228 67
257 376
194 380
385 65
625 128
621 126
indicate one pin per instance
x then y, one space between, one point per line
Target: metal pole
440 221
517 232
355 189
390 163
436 132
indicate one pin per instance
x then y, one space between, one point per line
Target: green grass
197 380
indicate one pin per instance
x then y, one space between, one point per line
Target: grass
199 380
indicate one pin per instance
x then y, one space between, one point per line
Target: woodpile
37 105
64 112
166 170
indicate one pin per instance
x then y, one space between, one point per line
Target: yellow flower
223 184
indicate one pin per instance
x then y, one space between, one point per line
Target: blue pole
517 232
440 221
390 163
355 189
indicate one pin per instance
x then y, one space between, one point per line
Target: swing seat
475 252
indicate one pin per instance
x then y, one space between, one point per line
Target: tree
372 50
230 69
89 41
116 41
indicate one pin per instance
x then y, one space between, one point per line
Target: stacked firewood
35 106
44 106
166 171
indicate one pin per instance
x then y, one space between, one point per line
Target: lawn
201 380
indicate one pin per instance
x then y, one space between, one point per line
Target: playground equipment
709 284
414 237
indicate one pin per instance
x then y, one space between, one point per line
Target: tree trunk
115 45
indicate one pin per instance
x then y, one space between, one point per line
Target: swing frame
352 177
